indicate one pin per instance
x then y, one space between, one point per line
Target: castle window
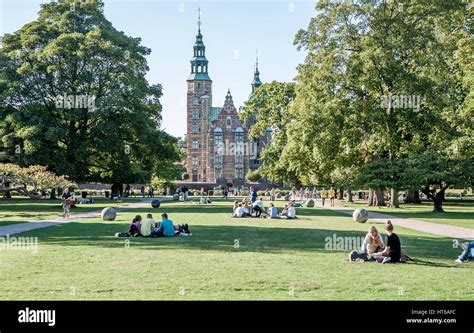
229 122
239 158
195 114
218 172
195 161
239 173
195 128
195 144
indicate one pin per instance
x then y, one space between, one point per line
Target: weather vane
199 18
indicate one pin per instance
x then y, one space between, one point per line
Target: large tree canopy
71 52
381 80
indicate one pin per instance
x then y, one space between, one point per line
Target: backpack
354 255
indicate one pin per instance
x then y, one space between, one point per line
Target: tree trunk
53 194
117 190
413 197
438 199
376 197
349 196
341 194
394 202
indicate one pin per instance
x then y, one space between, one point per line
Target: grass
227 259
20 210
457 212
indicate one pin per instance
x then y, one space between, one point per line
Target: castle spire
199 63
256 77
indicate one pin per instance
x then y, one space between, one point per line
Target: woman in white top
373 242
239 211
291 212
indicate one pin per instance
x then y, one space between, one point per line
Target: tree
32 181
254 176
268 109
360 55
434 174
75 99
429 172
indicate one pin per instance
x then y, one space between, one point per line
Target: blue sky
232 30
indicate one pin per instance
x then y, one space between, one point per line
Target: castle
218 148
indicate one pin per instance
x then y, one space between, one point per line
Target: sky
232 31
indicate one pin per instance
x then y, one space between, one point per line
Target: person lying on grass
373 242
467 253
392 252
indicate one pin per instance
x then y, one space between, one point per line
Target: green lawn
459 213
20 210
226 259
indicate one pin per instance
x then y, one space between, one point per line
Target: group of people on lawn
374 248
150 228
255 208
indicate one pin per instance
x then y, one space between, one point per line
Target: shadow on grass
263 239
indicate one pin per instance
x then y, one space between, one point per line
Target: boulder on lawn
278 195
360 215
156 203
309 203
286 197
108 214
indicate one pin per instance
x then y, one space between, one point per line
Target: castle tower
199 100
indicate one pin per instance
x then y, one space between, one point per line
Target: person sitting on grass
134 229
284 212
236 205
291 212
392 252
147 226
258 207
467 252
272 212
246 209
239 211
373 242
165 228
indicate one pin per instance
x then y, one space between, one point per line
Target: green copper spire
256 77
199 62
